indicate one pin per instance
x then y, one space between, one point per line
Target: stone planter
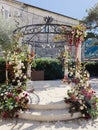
37 75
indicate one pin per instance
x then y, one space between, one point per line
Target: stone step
55 106
51 106
49 117
48 112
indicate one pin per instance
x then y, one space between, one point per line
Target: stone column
66 61
78 53
29 65
29 71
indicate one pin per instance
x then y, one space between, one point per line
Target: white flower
2 94
19 61
10 63
81 108
77 75
3 51
6 93
18 66
21 75
83 115
19 71
16 75
80 101
18 81
13 80
23 94
23 67
19 84
24 77
22 64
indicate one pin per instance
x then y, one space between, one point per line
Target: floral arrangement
13 95
81 97
16 67
12 100
73 36
78 34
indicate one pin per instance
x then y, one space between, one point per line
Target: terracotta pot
37 75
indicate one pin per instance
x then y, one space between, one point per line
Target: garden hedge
92 68
2 70
52 68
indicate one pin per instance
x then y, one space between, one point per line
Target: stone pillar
29 65
66 61
78 53
29 71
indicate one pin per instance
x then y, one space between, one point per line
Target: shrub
2 70
52 68
92 68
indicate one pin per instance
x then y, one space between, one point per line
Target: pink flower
4 114
17 98
10 95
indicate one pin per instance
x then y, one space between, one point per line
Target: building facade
21 14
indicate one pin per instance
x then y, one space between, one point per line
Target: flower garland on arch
78 34
80 97
73 36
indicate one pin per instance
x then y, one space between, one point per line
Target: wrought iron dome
42 35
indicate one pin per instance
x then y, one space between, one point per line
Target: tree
92 19
6 33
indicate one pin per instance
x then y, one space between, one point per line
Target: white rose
83 115
18 81
13 80
10 63
23 67
19 71
19 84
16 75
22 64
80 101
24 77
19 66
81 108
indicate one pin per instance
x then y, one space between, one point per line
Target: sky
72 8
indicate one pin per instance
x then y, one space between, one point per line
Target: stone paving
51 92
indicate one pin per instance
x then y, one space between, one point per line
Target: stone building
22 15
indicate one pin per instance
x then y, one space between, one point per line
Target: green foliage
92 68
91 21
92 18
81 96
2 70
13 96
91 35
12 99
52 68
6 32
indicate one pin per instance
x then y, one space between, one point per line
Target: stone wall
22 14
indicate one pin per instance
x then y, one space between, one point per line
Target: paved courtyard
51 92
